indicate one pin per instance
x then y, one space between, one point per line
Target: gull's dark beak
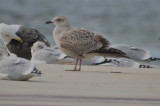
49 22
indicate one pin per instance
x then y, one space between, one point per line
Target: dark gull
19 39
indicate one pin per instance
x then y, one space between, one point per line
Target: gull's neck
58 32
62 28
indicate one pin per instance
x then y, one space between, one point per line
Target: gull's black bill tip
49 22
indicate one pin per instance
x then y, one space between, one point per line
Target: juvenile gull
81 43
15 68
43 54
19 39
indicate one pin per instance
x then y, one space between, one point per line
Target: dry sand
93 86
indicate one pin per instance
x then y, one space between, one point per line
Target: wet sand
94 86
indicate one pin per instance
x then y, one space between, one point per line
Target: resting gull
135 53
15 68
81 43
43 54
19 39
138 57
123 62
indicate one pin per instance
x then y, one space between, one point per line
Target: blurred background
133 22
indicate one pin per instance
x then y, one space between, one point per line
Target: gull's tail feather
110 52
116 52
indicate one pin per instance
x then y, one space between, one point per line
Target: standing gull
19 39
81 43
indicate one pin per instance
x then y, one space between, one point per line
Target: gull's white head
8 32
59 21
38 46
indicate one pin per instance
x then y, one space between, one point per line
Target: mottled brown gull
81 43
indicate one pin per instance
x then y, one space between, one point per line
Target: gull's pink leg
80 65
76 65
75 69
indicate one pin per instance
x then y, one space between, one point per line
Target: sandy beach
94 85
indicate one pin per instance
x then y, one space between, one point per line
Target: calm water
134 22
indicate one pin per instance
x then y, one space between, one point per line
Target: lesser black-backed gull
19 39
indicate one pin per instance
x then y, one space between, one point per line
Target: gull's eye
59 20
